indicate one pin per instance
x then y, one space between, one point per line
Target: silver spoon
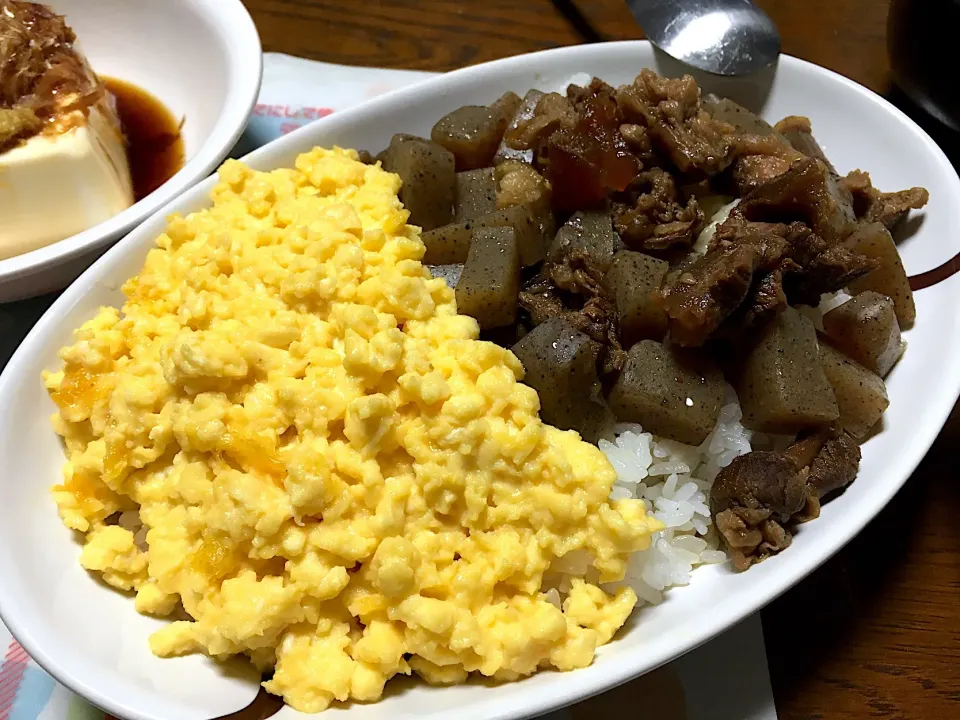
723 37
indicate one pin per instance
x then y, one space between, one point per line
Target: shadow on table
874 590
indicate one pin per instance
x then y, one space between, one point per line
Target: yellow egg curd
335 476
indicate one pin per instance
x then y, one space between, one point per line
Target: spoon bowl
722 37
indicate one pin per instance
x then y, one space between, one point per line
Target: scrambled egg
335 477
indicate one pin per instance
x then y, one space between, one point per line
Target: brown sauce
154 142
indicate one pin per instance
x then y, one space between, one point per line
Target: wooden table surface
876 631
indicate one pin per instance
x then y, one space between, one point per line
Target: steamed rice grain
674 480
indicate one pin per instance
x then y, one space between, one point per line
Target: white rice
674 481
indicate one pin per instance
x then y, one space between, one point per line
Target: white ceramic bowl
92 640
202 59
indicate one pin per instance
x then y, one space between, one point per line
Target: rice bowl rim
939 314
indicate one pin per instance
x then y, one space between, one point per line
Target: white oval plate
91 639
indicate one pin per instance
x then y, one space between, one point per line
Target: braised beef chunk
578 272
585 162
753 271
750 536
678 126
835 466
762 479
752 500
650 215
807 192
871 205
523 111
761 151
767 297
638 141
701 297
760 159
551 112
757 499
823 267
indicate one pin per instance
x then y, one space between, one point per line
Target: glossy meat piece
762 479
766 298
752 271
835 466
519 183
821 267
638 141
762 152
678 126
752 500
699 298
871 205
574 289
807 192
651 216
760 159
760 496
750 536
552 112
586 162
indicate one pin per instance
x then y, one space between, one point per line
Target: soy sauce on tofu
642 248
